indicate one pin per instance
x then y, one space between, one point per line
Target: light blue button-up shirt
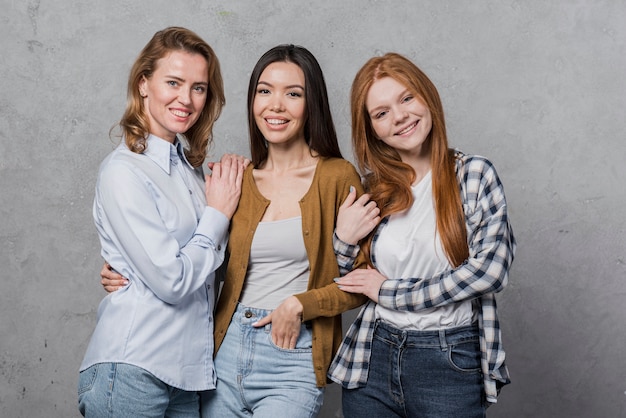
156 229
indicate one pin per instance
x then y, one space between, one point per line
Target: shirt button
248 314
219 247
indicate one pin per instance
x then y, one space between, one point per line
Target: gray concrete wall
538 87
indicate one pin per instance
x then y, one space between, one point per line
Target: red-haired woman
428 342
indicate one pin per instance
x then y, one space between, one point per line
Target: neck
420 164
284 158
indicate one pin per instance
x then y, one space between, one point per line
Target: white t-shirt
278 266
409 246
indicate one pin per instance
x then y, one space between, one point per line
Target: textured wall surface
538 87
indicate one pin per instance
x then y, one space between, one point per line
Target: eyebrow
291 86
173 77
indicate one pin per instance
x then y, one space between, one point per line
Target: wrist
345 237
294 306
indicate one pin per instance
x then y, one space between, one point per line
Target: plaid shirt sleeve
346 254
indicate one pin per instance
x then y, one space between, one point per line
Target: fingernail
336 279
351 189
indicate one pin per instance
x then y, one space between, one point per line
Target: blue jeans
118 390
420 374
257 378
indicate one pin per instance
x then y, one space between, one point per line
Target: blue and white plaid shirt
491 250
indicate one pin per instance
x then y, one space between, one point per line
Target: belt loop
442 340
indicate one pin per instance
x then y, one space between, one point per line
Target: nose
277 104
184 96
400 115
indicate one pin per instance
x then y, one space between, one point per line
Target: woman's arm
131 226
112 280
328 300
491 247
356 219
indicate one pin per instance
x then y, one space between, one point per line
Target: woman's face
398 118
279 105
175 94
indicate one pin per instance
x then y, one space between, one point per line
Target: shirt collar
163 153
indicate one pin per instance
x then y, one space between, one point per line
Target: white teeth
407 129
181 114
276 121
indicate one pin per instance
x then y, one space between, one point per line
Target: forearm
328 301
485 271
346 255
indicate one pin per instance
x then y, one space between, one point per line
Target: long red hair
387 178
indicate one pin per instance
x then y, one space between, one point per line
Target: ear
142 87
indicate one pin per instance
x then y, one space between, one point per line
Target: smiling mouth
180 113
276 121
408 128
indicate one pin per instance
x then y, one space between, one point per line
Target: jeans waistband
247 315
436 338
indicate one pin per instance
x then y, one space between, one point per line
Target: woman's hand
243 160
286 321
223 185
111 280
365 281
356 218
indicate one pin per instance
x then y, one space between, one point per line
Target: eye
294 94
380 114
407 99
172 83
262 91
200 89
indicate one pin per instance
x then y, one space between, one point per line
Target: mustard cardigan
323 301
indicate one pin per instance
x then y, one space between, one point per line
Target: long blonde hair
134 123
387 178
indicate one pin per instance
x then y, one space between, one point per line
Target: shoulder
478 179
469 166
119 159
121 166
332 167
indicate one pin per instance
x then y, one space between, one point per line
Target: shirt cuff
214 226
343 248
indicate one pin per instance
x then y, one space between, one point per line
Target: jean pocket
87 378
465 356
304 343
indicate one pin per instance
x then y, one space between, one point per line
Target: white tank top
409 246
278 265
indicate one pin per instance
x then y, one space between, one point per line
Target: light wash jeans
426 374
118 390
255 378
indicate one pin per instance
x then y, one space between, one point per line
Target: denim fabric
118 390
420 374
257 378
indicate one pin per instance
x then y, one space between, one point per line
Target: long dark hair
319 129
